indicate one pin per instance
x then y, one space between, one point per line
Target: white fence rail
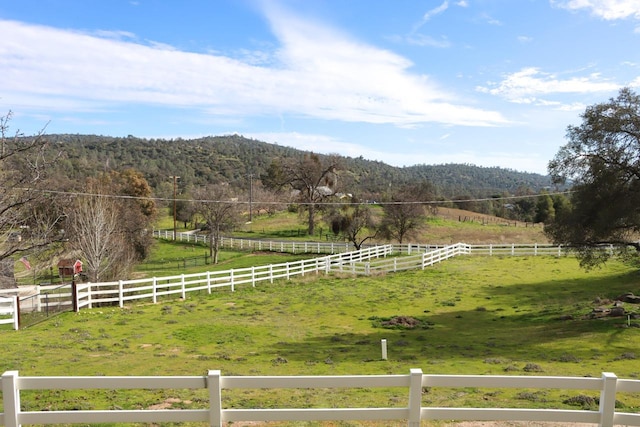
335 247
369 260
608 386
288 246
90 294
9 312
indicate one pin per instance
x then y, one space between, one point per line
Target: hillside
233 158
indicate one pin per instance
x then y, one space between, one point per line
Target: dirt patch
168 404
405 322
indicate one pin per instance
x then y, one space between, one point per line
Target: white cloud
605 9
435 11
490 20
635 82
422 40
528 84
317 73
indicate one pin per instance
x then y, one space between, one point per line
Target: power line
246 202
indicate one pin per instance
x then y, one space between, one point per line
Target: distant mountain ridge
233 158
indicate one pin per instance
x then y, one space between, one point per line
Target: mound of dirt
406 322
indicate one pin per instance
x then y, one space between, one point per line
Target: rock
617 312
629 297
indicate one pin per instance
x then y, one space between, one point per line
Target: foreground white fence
608 386
9 311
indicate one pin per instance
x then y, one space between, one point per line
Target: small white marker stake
383 343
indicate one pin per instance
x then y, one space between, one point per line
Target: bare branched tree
95 232
404 215
220 211
354 221
24 226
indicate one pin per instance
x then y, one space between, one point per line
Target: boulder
629 297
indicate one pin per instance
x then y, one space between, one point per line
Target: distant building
69 268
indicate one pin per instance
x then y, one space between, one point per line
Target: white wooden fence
367 261
89 294
9 311
608 386
288 246
334 247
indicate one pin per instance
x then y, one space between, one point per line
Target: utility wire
168 199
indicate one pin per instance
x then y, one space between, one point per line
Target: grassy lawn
171 258
477 315
444 228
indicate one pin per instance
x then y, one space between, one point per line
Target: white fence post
208 282
16 313
89 295
182 286
38 299
154 290
608 399
253 276
11 398
233 288
415 397
120 293
215 397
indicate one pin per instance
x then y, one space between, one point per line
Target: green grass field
476 315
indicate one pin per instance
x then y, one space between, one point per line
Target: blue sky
485 82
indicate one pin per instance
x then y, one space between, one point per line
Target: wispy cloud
423 40
605 9
435 11
529 85
317 72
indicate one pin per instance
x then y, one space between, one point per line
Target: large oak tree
312 177
602 162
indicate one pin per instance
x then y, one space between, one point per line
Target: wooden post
74 295
155 290
16 313
215 398
120 293
11 398
415 398
608 399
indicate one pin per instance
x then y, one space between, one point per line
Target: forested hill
233 158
